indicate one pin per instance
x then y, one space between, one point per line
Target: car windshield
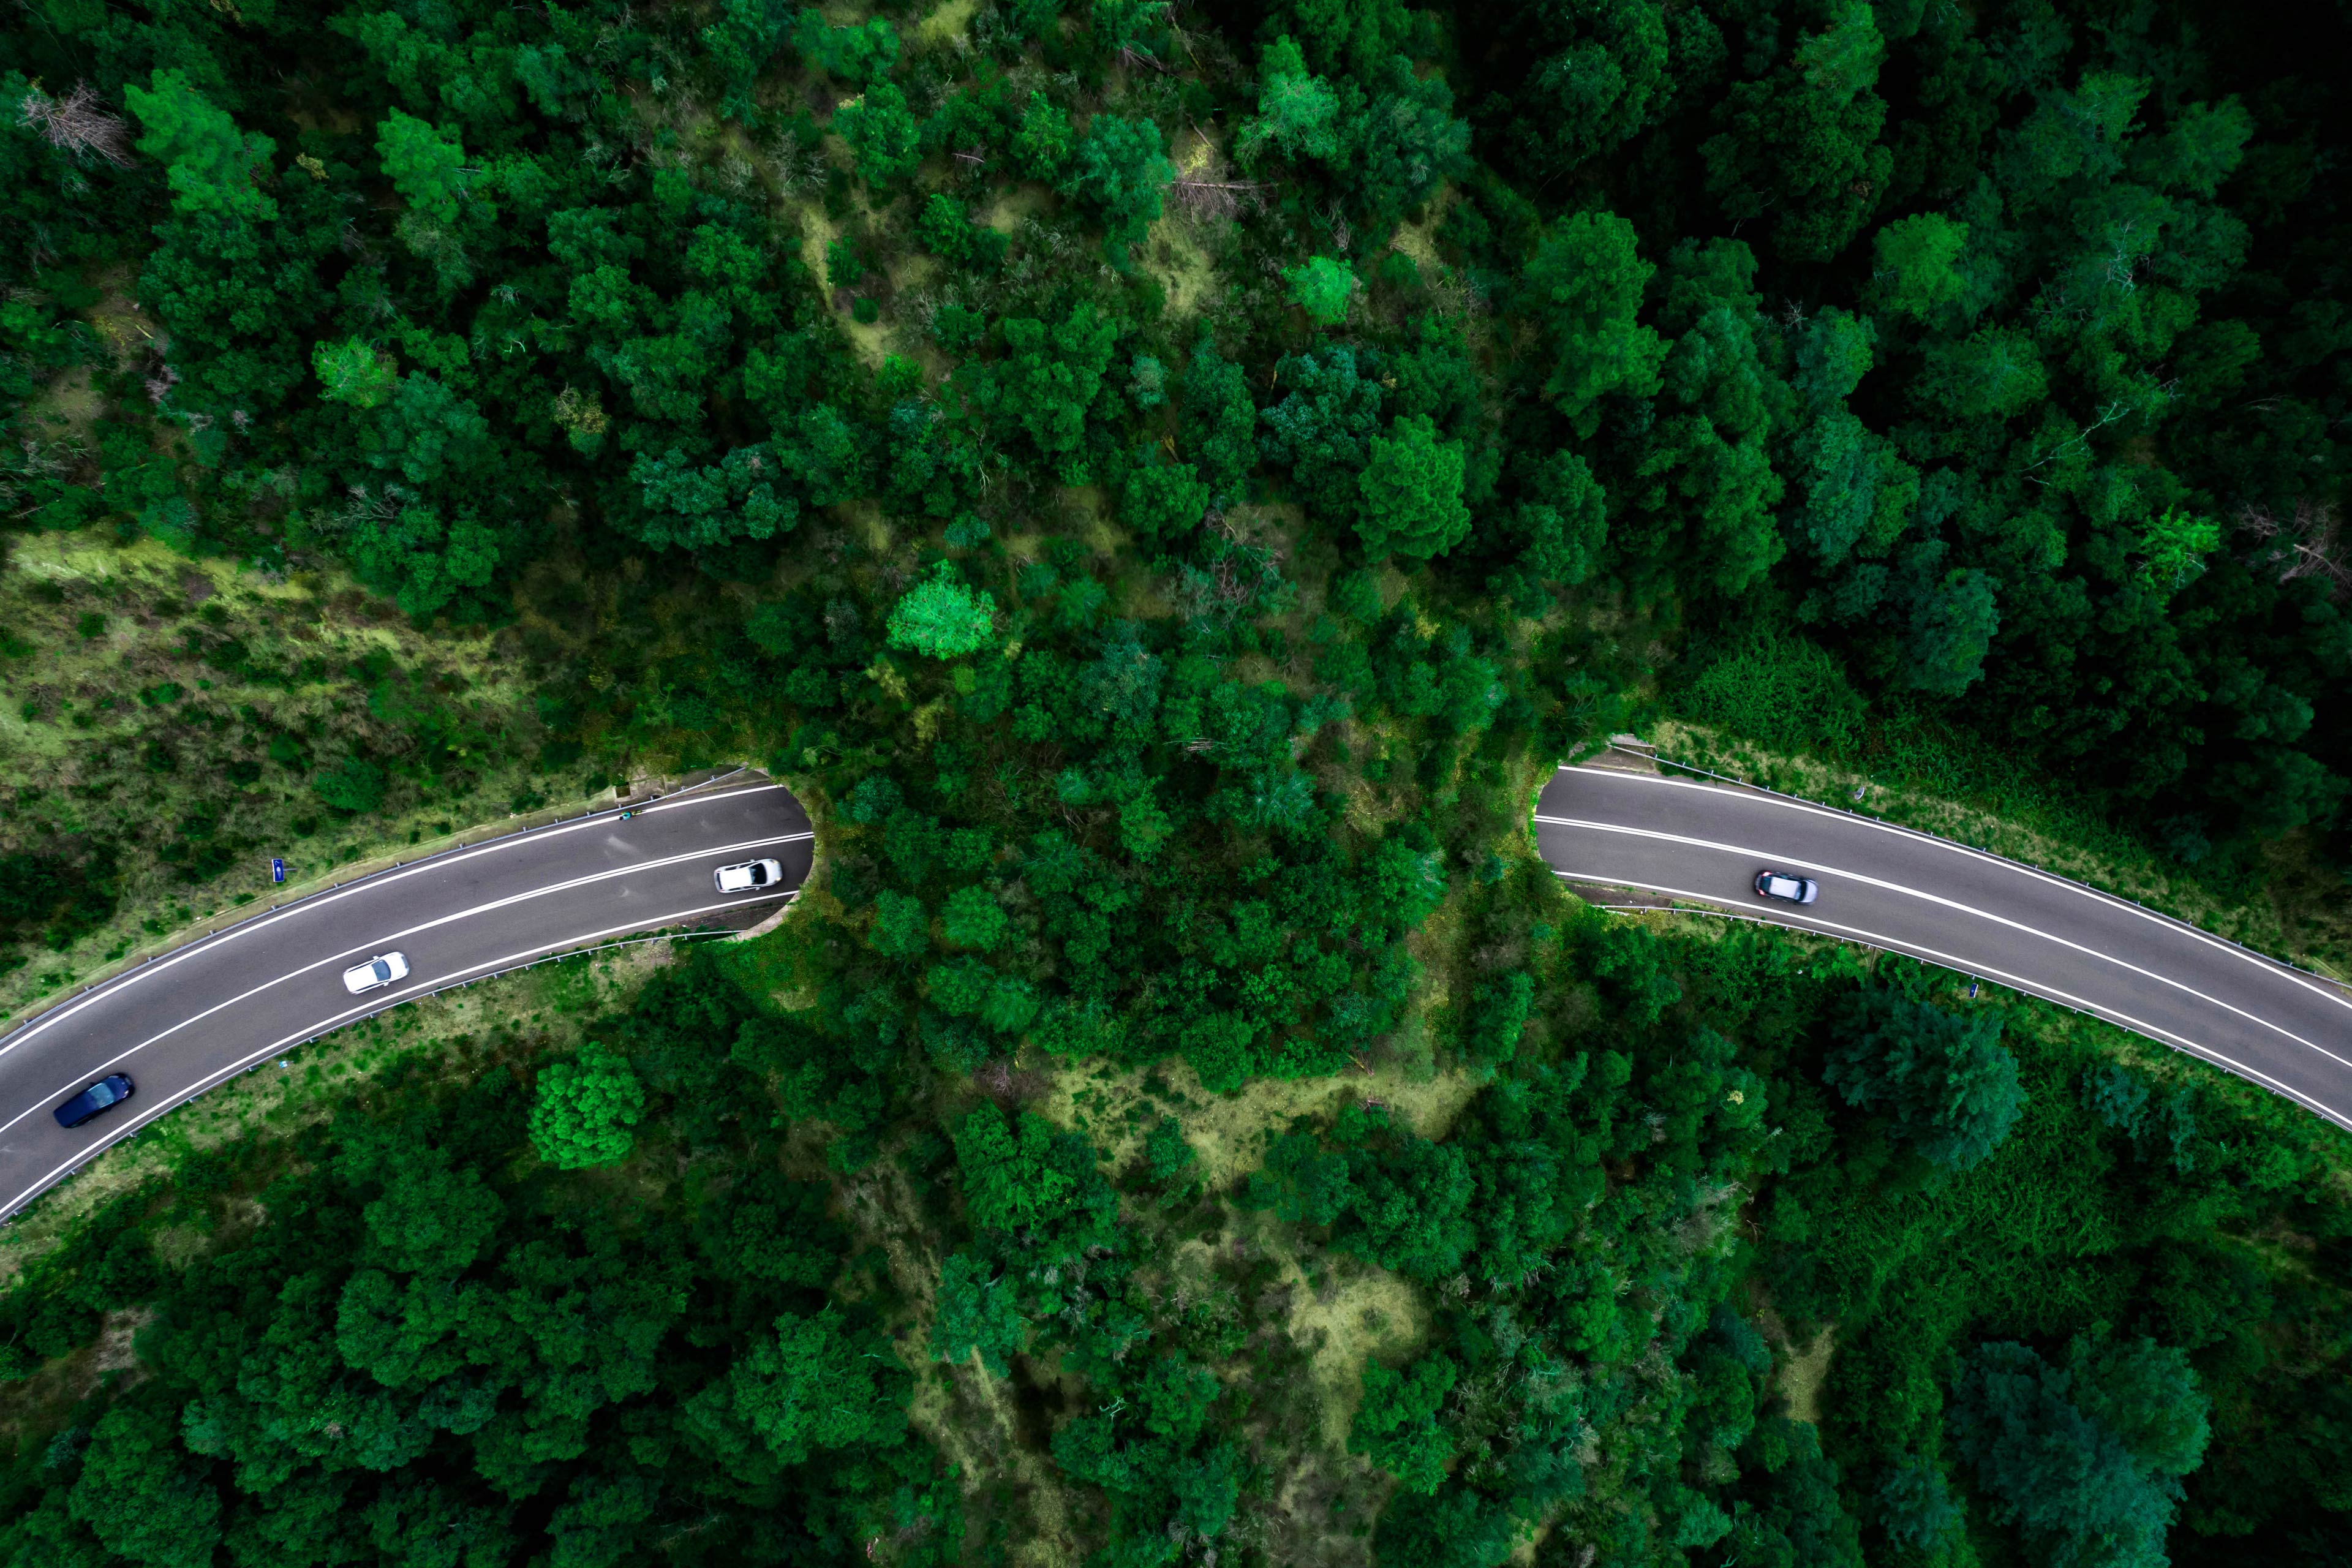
758 874
382 970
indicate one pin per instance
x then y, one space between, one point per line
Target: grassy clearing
2025 817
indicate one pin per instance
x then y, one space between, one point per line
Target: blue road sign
276 871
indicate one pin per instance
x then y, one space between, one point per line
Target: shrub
352 785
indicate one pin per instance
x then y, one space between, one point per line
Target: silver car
381 970
750 877
1787 886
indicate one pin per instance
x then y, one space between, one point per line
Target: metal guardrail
1653 755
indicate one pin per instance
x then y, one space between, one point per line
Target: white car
381 970
750 877
1787 886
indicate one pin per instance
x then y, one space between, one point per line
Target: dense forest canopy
1164 484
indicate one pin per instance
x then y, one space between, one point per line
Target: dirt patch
1117 1106
971 1413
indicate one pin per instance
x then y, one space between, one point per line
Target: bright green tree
355 372
586 1109
942 618
1321 286
212 167
1297 112
881 130
427 171
1044 141
2174 546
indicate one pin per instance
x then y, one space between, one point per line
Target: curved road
1961 908
202 1014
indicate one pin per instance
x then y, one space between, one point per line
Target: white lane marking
124 1129
1970 966
1953 904
2108 901
121 982
373 943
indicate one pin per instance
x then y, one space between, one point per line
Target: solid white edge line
394 936
2110 901
319 900
124 1129
1969 966
1954 904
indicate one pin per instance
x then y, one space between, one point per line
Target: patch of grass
173 717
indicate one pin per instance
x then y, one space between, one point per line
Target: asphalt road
1963 909
199 1016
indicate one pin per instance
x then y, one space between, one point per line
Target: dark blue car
109 1091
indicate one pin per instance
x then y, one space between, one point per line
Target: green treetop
1951 1089
1321 286
1297 113
1396 1427
1412 492
585 1111
881 129
1916 272
354 373
212 166
427 172
1587 281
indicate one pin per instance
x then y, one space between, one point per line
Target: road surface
198 1016
1963 909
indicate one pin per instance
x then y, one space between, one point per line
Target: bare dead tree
78 124
2309 544
1205 200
